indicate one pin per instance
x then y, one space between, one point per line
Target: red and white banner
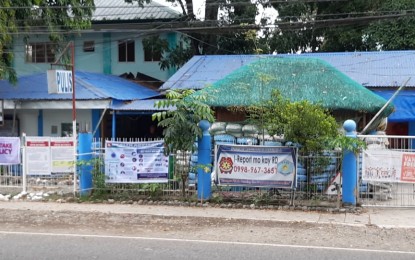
62 154
382 165
38 155
47 155
9 150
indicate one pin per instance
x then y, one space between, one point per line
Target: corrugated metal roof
370 69
296 79
88 86
141 105
119 10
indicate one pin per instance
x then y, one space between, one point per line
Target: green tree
237 13
302 122
32 17
344 26
180 123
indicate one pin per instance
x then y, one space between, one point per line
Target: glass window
40 52
89 46
126 51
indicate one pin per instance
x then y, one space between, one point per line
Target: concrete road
26 245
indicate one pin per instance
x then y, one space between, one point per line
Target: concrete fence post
349 168
204 162
85 170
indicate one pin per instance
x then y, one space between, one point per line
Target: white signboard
62 154
135 162
256 165
60 81
38 156
47 155
383 165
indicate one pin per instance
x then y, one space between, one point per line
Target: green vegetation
180 125
29 17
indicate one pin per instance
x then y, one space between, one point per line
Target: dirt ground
237 230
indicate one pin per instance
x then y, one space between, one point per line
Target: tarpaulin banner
38 155
259 166
383 165
135 162
9 150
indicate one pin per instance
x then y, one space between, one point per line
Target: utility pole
71 45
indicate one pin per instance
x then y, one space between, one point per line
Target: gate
386 194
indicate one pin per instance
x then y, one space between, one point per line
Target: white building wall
28 121
56 118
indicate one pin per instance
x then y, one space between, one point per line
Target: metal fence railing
386 194
317 181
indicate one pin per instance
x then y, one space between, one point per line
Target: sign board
60 81
258 166
9 150
62 157
383 165
135 162
38 155
47 155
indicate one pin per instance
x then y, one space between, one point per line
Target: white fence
14 178
46 165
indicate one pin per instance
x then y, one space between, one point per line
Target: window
126 51
40 52
152 54
89 46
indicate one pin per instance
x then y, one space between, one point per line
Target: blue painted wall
103 60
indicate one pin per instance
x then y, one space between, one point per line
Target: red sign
408 167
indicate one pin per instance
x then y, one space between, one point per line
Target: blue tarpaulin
404 104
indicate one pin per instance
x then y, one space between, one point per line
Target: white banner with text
135 162
258 166
382 165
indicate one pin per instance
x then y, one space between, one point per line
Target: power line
127 5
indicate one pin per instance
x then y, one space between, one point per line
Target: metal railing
386 194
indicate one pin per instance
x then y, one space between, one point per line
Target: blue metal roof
88 86
370 69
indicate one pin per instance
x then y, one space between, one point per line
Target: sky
199 10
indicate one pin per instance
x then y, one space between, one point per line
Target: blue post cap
349 125
204 125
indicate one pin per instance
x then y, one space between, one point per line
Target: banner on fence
382 165
47 155
135 162
259 166
38 155
62 157
9 150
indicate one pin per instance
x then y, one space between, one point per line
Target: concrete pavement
385 217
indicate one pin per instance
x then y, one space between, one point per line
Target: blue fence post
85 155
349 168
204 160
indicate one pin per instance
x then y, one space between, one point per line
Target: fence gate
382 181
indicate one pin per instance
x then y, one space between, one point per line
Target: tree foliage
30 17
309 125
210 42
180 125
356 25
